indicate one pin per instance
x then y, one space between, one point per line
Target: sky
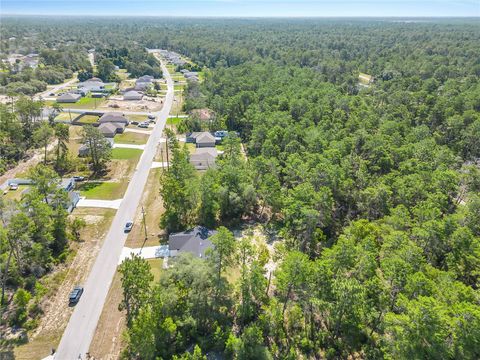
246 8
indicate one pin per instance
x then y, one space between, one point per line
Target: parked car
79 178
75 295
13 186
143 125
151 117
134 122
128 226
51 94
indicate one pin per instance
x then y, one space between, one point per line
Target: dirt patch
146 104
56 310
107 341
153 206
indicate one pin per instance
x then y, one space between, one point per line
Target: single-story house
184 71
194 241
142 86
204 158
93 84
191 74
145 78
69 98
132 95
113 117
205 139
193 78
111 129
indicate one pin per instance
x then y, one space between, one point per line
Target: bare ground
56 310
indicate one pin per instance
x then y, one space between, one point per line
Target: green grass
131 138
15 194
86 103
65 116
125 154
174 120
103 190
191 147
89 119
137 117
156 268
178 86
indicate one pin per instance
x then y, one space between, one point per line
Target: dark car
151 117
128 226
134 122
79 178
75 295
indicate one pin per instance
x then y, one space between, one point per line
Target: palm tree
62 135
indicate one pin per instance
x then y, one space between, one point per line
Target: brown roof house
113 117
204 158
194 241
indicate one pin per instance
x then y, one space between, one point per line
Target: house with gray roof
204 158
195 241
113 117
205 139
132 95
69 98
109 130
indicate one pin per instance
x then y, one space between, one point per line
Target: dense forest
371 195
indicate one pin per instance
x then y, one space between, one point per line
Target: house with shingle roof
204 158
109 130
194 241
69 98
132 95
113 117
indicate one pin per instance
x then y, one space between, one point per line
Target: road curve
79 332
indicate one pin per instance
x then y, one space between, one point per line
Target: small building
83 150
132 95
204 158
205 139
109 130
93 84
142 86
365 79
145 78
69 98
113 117
194 241
190 74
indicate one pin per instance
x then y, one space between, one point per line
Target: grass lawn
122 74
89 119
164 86
103 190
174 120
220 147
126 154
156 268
65 116
86 103
191 147
177 87
15 194
136 117
131 138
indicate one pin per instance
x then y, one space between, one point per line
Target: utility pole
145 228
161 153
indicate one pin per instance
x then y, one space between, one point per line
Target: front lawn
103 190
136 117
174 120
65 116
86 103
125 154
131 138
89 119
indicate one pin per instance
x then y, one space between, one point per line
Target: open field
153 206
131 138
125 154
173 120
103 190
135 117
84 103
89 119
61 281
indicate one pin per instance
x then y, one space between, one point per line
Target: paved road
83 322
45 95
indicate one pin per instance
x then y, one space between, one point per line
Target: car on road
128 226
75 295
51 94
79 178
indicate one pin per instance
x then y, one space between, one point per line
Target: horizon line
249 17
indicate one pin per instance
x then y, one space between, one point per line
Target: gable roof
145 78
204 137
133 93
69 97
194 241
113 117
107 128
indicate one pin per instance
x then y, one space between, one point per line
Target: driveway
109 204
128 146
78 335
